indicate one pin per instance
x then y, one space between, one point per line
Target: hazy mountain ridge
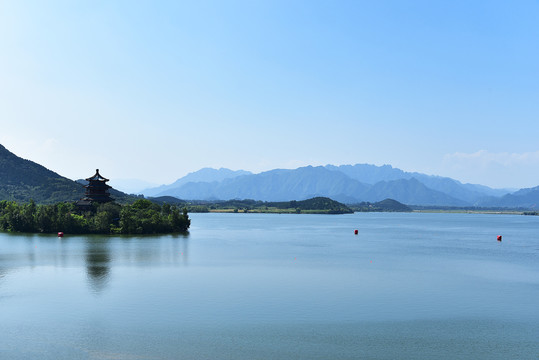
202 175
347 184
131 186
329 181
525 198
22 180
372 174
274 185
410 191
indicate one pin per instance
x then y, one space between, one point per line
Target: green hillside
317 205
24 180
387 205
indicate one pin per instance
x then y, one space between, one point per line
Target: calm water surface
262 286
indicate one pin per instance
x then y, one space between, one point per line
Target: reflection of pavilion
97 263
104 253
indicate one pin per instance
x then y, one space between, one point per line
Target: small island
141 217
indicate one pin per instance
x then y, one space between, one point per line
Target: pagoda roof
97 177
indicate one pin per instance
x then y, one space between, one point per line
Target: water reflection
97 263
31 253
97 254
103 253
184 250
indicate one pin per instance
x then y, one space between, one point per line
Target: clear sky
154 90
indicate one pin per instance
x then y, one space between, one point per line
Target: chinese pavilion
97 190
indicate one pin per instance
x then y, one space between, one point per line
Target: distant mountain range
525 198
22 180
202 175
347 183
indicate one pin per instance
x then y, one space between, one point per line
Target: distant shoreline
492 212
276 211
432 211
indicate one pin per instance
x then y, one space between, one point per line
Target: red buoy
499 238
60 234
356 232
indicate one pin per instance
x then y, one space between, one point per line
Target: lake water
268 286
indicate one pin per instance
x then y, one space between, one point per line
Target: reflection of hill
98 263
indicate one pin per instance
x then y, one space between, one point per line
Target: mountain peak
204 175
22 180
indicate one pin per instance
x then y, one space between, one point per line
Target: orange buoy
60 234
499 238
356 232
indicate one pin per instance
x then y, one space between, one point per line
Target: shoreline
492 212
431 211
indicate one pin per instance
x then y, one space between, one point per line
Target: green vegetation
23 180
141 217
51 191
387 205
318 205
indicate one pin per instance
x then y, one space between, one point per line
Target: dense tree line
141 217
387 205
317 205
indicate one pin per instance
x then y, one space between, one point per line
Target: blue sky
154 90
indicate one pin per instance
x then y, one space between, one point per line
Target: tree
142 217
46 218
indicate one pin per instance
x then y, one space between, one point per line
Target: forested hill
317 205
387 205
22 180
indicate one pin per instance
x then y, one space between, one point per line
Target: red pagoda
97 190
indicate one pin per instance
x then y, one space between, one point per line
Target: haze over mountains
202 175
345 183
22 180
